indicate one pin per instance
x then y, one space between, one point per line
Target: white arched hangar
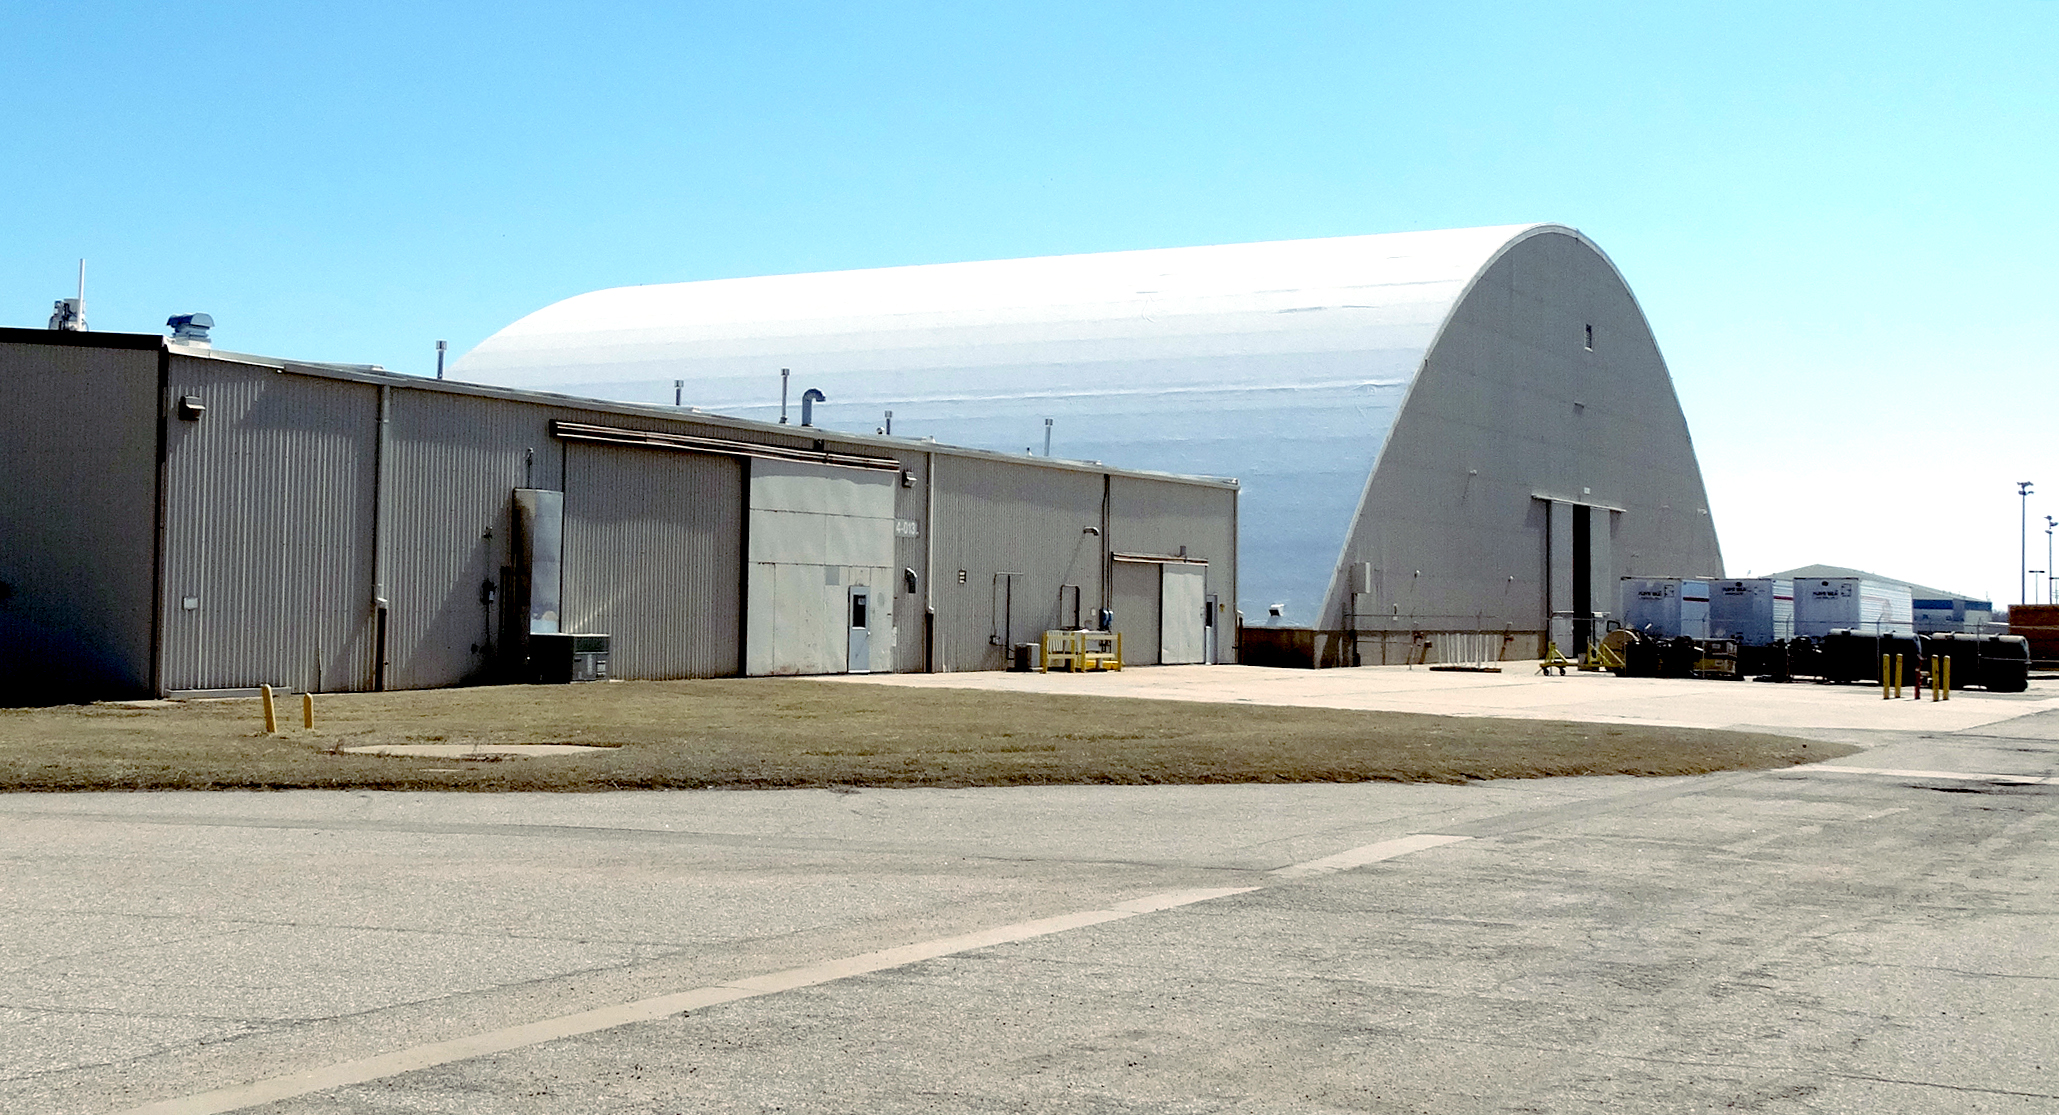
1469 430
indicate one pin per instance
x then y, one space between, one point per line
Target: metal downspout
929 566
1107 544
380 603
158 572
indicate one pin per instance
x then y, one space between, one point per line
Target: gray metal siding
991 517
78 443
268 529
452 463
653 557
1163 517
1512 405
911 505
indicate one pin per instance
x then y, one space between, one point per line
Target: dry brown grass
766 733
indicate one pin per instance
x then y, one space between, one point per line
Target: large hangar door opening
1579 572
817 533
653 557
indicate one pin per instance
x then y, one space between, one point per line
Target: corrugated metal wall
1165 517
78 442
268 530
453 462
911 551
994 517
653 557
286 514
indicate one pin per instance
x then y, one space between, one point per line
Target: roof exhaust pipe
808 400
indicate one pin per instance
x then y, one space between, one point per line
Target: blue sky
1840 218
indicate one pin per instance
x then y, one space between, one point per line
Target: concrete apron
1521 692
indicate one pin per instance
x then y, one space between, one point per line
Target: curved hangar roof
1284 364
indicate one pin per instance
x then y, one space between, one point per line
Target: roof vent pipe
783 374
808 400
191 328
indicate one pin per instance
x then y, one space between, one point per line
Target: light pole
2023 546
2051 571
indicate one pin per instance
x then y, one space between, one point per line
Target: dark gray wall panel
78 442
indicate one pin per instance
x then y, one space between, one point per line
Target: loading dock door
1137 597
652 556
1182 597
816 533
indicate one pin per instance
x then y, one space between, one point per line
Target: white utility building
1460 431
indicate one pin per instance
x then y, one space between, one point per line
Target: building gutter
689 443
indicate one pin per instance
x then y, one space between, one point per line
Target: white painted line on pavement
383 1065
1952 775
646 1010
1371 853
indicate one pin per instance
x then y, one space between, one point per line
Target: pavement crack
1733 1066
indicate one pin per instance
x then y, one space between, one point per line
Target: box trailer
1857 604
1665 607
1756 611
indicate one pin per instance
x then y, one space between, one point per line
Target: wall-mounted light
190 408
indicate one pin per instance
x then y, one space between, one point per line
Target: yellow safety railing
1079 651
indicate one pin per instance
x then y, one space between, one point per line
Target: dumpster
2004 663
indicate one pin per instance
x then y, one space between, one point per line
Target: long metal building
1465 431
179 519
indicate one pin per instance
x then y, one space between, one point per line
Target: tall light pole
2051 571
2023 548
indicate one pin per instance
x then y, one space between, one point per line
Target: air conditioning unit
559 659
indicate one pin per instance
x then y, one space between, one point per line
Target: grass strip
778 733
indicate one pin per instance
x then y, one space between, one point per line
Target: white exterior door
1182 596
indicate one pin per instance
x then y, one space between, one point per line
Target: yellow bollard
1948 675
1883 677
1898 677
307 710
271 710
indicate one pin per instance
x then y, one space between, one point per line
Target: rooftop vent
69 314
191 328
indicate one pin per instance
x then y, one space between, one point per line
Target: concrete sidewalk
1520 691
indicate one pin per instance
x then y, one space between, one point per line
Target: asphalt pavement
1875 934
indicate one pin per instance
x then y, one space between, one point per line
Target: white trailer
1858 604
1665 607
1755 611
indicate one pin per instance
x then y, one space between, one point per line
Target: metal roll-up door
1137 599
653 557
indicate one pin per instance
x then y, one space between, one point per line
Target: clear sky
1840 217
